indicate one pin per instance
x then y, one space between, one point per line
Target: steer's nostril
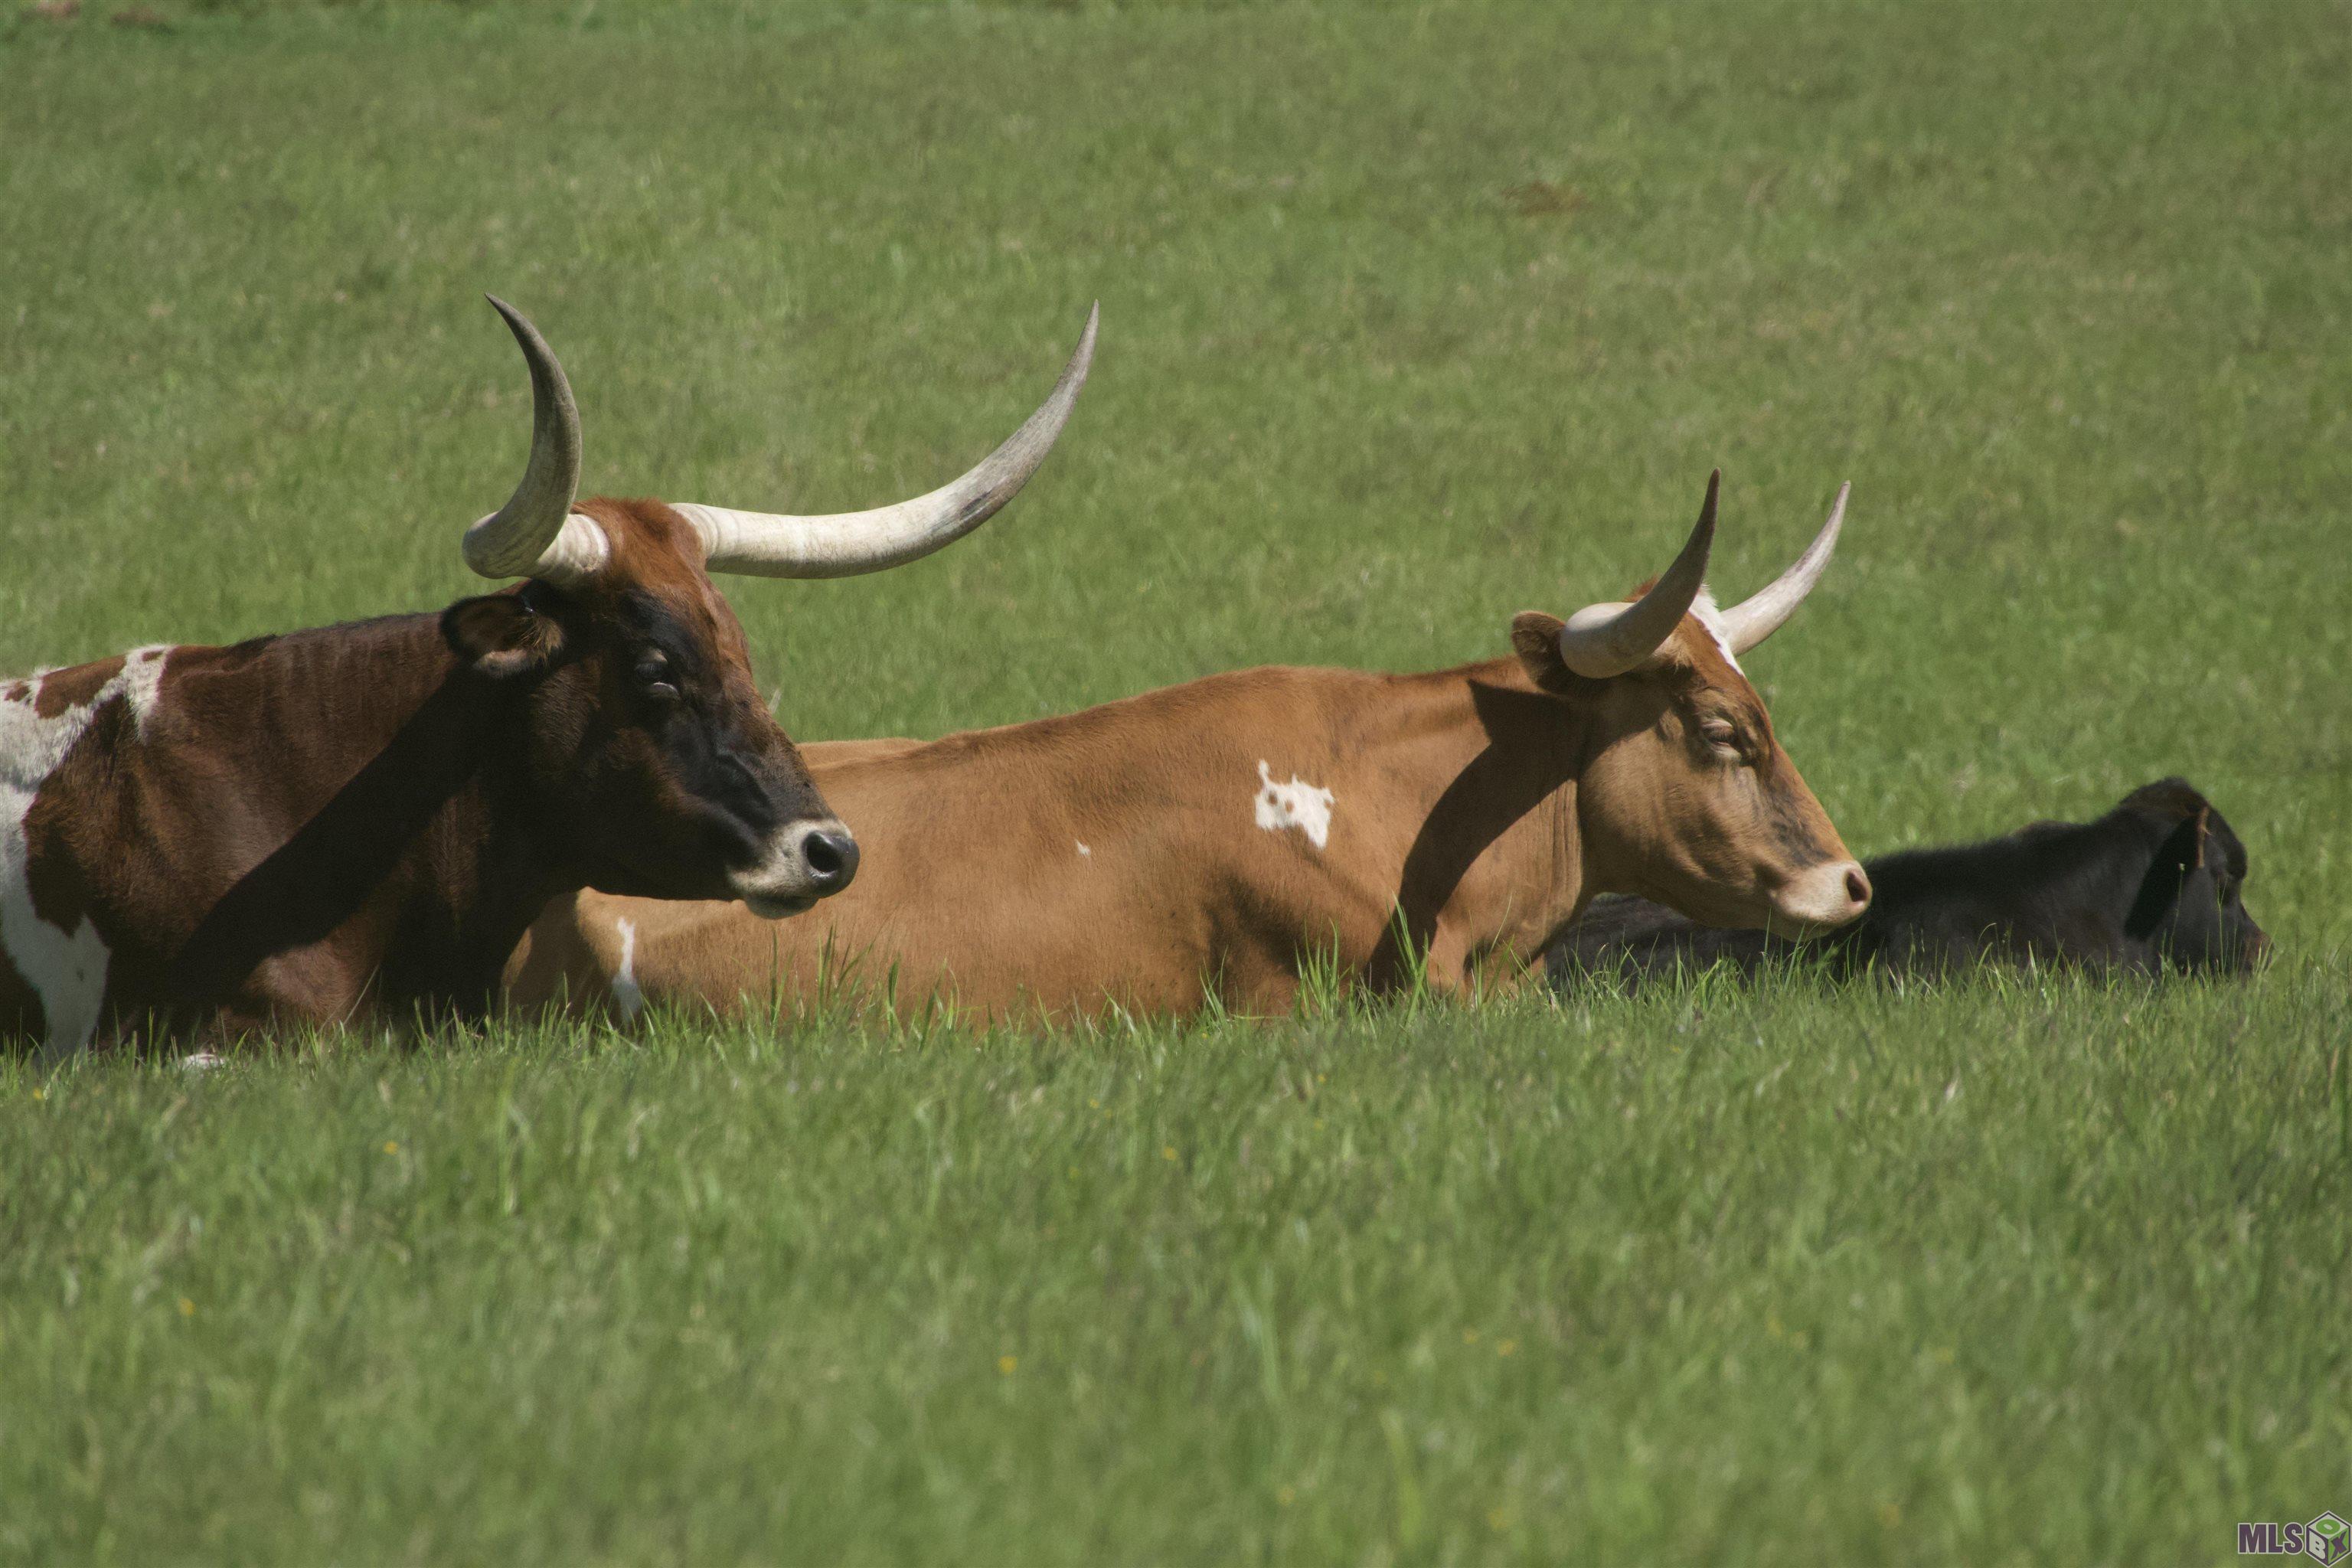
832 857
1857 886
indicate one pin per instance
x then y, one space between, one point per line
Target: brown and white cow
202 840
1213 838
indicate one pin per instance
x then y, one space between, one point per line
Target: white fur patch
1710 615
142 680
1084 853
66 968
1298 805
627 997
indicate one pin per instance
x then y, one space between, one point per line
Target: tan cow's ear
499 636
1535 637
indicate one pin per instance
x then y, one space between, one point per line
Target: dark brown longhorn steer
1212 838
208 839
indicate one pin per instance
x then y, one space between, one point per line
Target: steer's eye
654 680
1719 735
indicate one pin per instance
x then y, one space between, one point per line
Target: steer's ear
500 635
1535 637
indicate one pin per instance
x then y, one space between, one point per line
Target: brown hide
304 827
200 840
1115 857
304 819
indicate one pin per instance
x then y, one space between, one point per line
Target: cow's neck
384 850
1474 774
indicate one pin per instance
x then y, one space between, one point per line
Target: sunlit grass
1956 1271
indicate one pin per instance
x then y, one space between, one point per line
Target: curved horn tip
1761 614
1604 640
1704 527
517 322
527 534
1707 507
1083 359
1059 403
774 544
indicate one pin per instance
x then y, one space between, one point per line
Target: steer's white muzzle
1820 898
805 861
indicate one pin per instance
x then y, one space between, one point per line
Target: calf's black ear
2176 877
2183 849
500 636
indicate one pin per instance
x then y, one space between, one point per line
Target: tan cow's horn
536 534
1603 640
1760 615
843 545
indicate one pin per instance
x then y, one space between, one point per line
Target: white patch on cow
1708 614
1298 805
626 996
142 682
66 968
1084 853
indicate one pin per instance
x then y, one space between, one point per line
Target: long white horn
843 545
1603 640
535 534
1760 615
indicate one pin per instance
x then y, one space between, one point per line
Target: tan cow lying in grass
1213 838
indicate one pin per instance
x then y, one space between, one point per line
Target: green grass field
1412 317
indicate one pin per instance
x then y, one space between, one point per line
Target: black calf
2152 886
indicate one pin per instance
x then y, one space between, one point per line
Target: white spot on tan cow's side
1298 805
1084 853
66 968
627 994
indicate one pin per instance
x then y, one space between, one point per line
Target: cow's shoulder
44 715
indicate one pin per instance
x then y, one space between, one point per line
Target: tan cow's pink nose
1822 897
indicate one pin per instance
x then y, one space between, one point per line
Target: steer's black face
2191 906
652 754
